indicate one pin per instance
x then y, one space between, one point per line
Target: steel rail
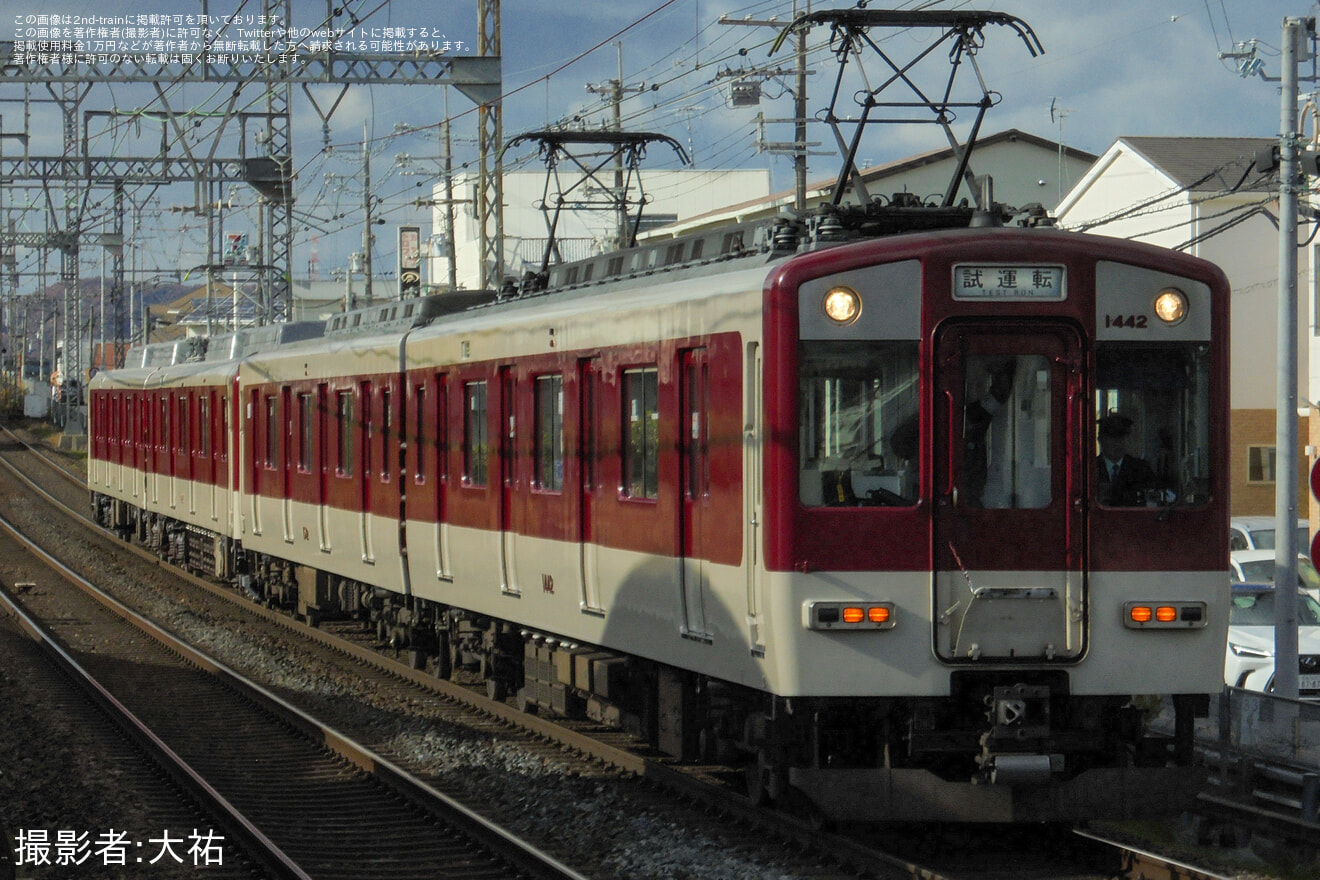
526 857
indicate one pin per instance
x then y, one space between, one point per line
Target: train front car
965 614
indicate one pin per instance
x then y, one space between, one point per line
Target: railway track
304 800
595 754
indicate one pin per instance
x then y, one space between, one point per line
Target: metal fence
1264 726
1264 751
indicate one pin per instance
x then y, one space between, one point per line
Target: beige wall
1256 427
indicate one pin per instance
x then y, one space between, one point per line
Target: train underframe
1004 746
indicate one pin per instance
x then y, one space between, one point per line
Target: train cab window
858 423
641 433
550 433
476 444
344 434
1152 422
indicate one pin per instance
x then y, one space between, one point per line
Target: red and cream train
828 508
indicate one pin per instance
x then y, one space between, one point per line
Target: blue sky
1129 67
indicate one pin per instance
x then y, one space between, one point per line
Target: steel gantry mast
192 139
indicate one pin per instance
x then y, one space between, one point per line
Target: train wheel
767 781
757 790
525 704
444 657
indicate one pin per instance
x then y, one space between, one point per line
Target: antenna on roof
1057 115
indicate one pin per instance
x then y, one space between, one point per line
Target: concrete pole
1285 485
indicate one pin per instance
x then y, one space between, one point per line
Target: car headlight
1245 651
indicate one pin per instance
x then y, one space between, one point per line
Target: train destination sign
1001 282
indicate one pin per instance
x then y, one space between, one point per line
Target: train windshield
858 423
1152 424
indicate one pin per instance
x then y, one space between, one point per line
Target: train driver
1123 479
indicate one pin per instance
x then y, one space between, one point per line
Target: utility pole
799 147
614 91
1295 30
366 213
1298 34
450 250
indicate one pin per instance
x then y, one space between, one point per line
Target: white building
673 196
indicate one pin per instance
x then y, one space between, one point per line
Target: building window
1260 464
550 432
641 433
476 446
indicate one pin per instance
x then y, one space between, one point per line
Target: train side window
344 433
204 425
641 433
476 443
550 433
442 427
222 453
272 431
1157 398
386 433
419 435
185 447
858 424
306 413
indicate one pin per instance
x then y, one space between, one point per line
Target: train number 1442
1135 322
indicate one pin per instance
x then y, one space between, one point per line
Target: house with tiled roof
1204 196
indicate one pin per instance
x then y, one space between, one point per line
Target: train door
1009 449
695 500
589 481
507 482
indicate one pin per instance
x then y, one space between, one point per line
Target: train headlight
1166 615
842 305
1171 306
847 615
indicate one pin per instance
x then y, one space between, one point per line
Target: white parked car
1257 567
1257 533
1249 660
